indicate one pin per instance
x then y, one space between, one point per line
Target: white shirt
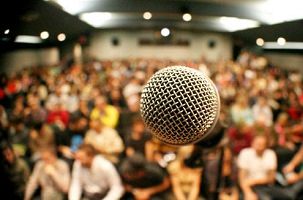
257 166
108 142
101 176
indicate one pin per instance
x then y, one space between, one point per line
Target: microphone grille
180 105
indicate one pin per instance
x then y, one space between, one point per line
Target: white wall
14 61
101 46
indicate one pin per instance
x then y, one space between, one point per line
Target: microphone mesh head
180 105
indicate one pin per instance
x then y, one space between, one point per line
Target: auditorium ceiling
245 20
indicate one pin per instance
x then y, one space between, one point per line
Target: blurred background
72 71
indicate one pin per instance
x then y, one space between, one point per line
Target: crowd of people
75 132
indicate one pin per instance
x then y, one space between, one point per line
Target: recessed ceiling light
6 31
260 42
44 35
61 37
281 41
186 17
147 15
165 32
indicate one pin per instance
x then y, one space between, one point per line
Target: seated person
94 177
104 112
185 180
136 140
14 173
293 173
105 140
257 169
51 174
144 180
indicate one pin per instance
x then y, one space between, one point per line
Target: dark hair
133 164
5 145
137 120
88 149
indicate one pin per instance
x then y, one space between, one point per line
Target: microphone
180 105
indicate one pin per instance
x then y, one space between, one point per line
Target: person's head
58 106
46 130
242 100
85 155
259 144
100 102
115 94
83 104
58 90
35 103
48 155
18 124
82 123
133 166
8 153
262 101
282 118
138 125
95 124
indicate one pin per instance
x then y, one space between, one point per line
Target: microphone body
180 105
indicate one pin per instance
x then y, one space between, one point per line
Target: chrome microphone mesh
180 105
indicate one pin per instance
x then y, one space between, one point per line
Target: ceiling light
165 32
186 17
260 42
234 24
281 41
273 11
61 37
27 39
147 15
6 31
96 19
71 6
44 35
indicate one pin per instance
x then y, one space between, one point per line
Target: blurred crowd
75 132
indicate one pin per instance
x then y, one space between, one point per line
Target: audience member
51 174
107 114
135 141
144 180
293 173
262 112
240 137
40 139
281 128
94 177
105 140
241 112
14 173
257 170
185 180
